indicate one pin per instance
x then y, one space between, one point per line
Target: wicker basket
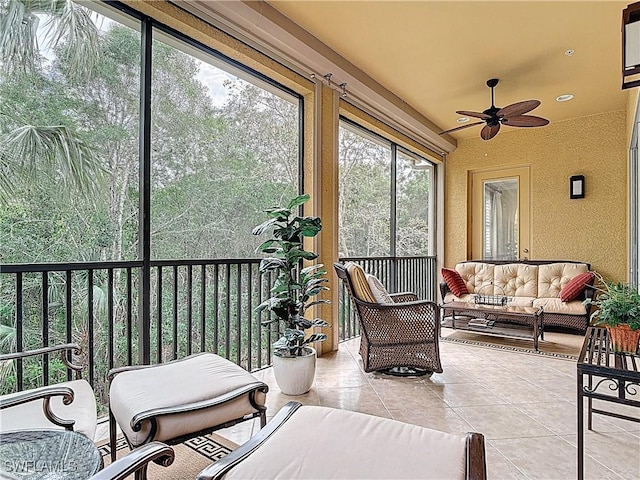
623 339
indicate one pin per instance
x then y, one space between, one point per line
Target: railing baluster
239 314
250 323
175 312
203 307
19 319
68 314
90 324
189 307
227 322
45 326
159 316
216 312
110 319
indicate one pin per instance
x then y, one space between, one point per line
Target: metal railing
195 306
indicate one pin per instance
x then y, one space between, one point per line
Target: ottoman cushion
180 385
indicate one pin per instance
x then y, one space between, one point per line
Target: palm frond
72 25
30 148
18 36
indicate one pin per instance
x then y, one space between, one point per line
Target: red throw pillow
574 287
454 282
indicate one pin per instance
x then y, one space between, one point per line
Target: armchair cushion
378 291
359 281
30 415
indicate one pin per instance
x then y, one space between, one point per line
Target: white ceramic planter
294 375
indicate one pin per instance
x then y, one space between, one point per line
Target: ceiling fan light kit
493 117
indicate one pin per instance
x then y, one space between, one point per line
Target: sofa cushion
454 282
377 289
574 287
516 280
521 301
477 276
450 297
553 277
556 305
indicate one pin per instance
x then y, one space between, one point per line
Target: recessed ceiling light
569 52
462 120
564 98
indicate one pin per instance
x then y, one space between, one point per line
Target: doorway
500 213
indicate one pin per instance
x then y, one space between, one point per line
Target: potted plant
293 293
619 311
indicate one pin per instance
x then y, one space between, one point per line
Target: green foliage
617 303
294 288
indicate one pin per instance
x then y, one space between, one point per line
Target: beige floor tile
521 391
499 467
438 418
451 374
502 421
550 458
466 394
619 451
561 417
356 399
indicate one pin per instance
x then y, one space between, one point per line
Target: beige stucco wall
592 229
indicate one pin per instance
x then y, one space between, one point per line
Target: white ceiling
437 55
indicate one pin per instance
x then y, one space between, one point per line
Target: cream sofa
528 283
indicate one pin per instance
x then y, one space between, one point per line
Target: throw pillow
574 287
359 282
377 288
454 282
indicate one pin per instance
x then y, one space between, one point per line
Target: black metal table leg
581 426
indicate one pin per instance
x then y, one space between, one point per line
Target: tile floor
525 405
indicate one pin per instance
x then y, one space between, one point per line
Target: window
387 196
224 148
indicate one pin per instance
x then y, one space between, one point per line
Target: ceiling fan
511 115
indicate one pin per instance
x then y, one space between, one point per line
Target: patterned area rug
191 457
560 345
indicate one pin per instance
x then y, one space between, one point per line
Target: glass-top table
47 455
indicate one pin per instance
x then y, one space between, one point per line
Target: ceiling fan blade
460 128
525 121
518 108
483 116
489 131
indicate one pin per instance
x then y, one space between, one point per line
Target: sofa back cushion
554 276
476 276
516 280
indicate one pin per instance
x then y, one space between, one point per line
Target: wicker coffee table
500 320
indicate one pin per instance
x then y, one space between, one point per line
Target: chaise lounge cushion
358 445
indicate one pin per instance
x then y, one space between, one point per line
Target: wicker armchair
399 337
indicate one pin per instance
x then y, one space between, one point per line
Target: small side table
37 454
615 372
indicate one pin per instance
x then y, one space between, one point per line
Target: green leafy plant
618 303
294 288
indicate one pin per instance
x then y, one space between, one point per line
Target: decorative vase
623 339
294 375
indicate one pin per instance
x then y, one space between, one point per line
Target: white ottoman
173 401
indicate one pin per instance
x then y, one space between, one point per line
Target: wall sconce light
576 186
631 46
